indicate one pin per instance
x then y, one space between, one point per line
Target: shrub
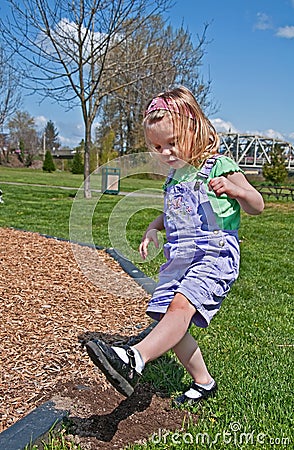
48 165
77 163
275 171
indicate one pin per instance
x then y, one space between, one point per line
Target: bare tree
63 49
24 137
10 99
171 58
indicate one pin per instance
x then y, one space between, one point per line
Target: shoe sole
117 381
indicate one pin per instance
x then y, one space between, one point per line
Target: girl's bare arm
236 186
150 235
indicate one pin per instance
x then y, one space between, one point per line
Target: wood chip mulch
48 307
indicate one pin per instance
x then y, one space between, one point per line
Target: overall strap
168 179
204 172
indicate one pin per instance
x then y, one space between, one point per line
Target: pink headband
167 105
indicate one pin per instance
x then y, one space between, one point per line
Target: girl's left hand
221 185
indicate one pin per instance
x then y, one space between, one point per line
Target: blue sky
250 60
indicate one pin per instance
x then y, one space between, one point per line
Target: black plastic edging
33 428
148 284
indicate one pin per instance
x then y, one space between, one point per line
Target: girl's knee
180 302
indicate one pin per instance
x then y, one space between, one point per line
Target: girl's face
160 136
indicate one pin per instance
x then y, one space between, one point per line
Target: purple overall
202 259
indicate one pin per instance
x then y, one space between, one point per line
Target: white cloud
222 126
70 133
291 137
270 133
273 134
286 32
264 22
40 122
68 141
67 34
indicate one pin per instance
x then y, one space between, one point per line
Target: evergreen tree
48 165
77 163
275 171
51 137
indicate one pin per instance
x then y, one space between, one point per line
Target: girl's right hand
149 236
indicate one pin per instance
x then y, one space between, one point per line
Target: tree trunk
87 187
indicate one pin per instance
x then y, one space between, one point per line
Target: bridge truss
251 152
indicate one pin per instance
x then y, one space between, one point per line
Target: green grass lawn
249 345
33 176
67 179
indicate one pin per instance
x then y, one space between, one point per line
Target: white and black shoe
195 394
123 376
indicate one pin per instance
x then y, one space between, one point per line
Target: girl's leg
203 385
190 356
169 331
123 366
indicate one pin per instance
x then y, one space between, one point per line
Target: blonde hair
202 141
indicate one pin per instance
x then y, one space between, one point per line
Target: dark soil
103 419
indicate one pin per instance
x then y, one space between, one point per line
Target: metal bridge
251 152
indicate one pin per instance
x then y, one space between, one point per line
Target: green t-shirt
226 209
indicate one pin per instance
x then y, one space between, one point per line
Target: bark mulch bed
48 308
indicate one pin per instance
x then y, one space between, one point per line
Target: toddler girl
203 195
